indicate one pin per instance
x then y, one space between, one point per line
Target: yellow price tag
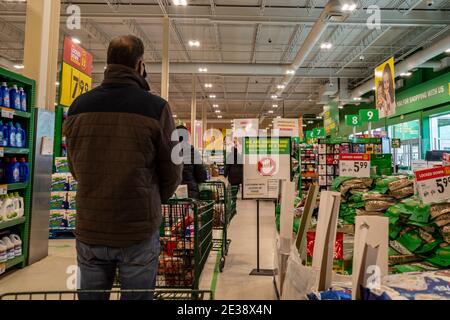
74 83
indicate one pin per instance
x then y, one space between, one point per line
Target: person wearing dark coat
234 168
194 173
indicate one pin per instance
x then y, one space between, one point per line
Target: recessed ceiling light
405 74
279 117
274 96
219 117
281 86
179 2
218 111
448 50
341 107
212 96
373 88
57 83
319 117
270 125
326 45
290 71
215 105
76 40
175 116
349 7
274 106
310 122
357 98
19 66
194 43
208 85
202 70
270 111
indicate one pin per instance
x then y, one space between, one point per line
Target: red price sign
433 185
354 165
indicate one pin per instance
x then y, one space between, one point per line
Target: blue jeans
137 266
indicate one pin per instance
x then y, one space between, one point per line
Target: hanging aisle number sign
354 165
433 185
369 115
76 72
353 120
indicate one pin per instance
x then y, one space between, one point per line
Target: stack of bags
419 233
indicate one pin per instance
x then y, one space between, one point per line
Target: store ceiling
246 35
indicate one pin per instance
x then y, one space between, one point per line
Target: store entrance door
409 151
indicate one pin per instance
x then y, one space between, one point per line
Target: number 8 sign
353 120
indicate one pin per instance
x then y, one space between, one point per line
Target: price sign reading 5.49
433 185
74 83
354 165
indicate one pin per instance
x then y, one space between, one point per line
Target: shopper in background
194 172
119 150
234 168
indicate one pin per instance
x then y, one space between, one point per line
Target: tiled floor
55 273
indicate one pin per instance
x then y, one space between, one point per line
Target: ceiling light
270 125
279 117
373 88
212 96
357 98
202 70
76 40
319 117
232 121
217 111
215 105
175 116
341 107
310 122
326 45
310 100
19 66
179 2
281 86
290 71
208 85
349 7
57 83
219 117
405 74
270 111
274 106
274 96
304 125
448 50
194 43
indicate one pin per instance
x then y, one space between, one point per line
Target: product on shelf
12 170
11 207
14 98
23 100
4 95
12 135
61 165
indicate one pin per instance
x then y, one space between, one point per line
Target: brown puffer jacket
119 150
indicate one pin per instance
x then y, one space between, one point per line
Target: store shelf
12 223
8 150
17 186
14 262
17 113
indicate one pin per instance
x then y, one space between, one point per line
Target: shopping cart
186 241
159 294
216 191
231 202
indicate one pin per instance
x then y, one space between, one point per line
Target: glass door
409 134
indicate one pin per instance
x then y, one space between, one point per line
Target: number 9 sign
369 115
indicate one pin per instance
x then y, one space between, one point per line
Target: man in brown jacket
119 150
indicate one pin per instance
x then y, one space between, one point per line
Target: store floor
54 272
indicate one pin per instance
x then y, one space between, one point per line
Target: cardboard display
325 238
370 256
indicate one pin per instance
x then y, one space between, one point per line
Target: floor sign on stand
266 162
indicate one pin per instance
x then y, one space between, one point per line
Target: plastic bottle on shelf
10 254
3 251
13 171
23 100
9 208
11 135
17 242
24 170
4 93
3 135
14 97
18 205
20 136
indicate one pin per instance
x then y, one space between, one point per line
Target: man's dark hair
125 50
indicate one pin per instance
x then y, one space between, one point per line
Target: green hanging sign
353 120
309 134
369 115
319 133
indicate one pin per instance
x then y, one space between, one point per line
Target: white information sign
354 165
245 128
266 162
286 127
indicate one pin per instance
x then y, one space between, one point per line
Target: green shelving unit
20 226
11 223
